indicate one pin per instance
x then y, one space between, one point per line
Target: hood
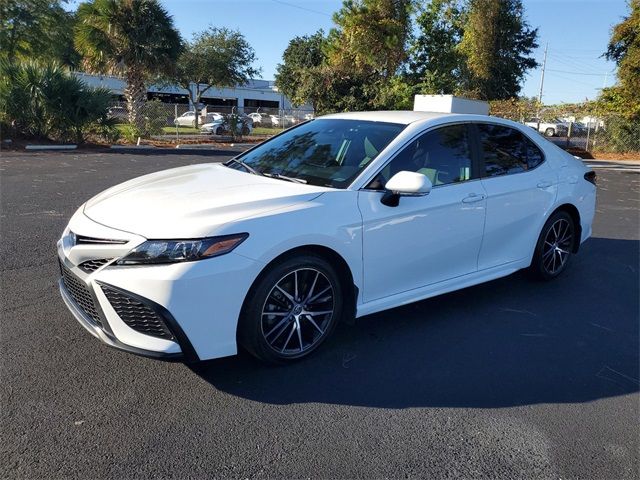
194 201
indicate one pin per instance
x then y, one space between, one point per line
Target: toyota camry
338 217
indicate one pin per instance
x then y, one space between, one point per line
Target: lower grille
91 266
136 314
80 294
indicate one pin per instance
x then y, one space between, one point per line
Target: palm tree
133 38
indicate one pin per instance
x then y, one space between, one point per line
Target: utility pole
544 66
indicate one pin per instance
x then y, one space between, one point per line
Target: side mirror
405 183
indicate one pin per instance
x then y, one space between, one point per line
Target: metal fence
178 120
600 133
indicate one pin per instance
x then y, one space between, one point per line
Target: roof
397 116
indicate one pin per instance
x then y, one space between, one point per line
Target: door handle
474 197
545 184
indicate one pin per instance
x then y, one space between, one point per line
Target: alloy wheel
297 312
557 246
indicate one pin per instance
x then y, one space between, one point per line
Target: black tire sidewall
537 265
249 329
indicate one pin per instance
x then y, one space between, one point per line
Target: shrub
155 118
619 135
130 133
47 101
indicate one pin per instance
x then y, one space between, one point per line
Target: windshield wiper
279 176
245 166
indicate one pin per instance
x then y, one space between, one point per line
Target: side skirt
439 288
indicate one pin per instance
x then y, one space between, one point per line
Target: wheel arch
574 213
327 253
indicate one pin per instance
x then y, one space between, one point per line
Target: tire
245 131
219 131
549 132
296 327
555 246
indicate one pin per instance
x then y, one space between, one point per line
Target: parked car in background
187 119
260 118
119 114
577 128
554 128
213 117
222 126
283 120
345 215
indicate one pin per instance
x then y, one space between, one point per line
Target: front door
427 239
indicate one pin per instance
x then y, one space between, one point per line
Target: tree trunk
136 94
196 106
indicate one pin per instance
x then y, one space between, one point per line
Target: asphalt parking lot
511 379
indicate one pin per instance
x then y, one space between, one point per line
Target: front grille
136 314
84 240
91 266
80 294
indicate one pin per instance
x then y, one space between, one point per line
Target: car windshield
325 152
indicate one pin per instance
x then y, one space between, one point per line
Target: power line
572 80
570 62
302 8
578 73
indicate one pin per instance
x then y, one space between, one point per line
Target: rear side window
507 151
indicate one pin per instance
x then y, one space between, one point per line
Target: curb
177 150
51 147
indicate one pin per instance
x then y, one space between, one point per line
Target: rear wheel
549 132
291 310
554 247
219 131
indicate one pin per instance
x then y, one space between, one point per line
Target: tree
624 49
298 74
46 100
37 30
370 36
496 44
217 57
365 52
133 38
435 63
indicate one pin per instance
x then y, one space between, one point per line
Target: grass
181 130
266 131
195 131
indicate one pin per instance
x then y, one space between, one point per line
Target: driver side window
443 155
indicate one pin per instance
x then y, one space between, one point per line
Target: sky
577 32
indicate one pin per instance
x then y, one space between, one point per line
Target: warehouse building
256 94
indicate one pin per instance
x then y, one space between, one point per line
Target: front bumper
195 304
107 338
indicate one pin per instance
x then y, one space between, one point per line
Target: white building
255 94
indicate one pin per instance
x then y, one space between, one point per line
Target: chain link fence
169 121
574 129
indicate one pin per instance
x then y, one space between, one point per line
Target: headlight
171 251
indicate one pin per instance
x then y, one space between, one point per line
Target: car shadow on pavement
513 341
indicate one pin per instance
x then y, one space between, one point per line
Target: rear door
521 187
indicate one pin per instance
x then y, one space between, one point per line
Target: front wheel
219 131
549 132
291 310
554 247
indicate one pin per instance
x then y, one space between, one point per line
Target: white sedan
221 127
342 216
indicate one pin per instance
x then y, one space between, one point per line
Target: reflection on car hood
193 201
